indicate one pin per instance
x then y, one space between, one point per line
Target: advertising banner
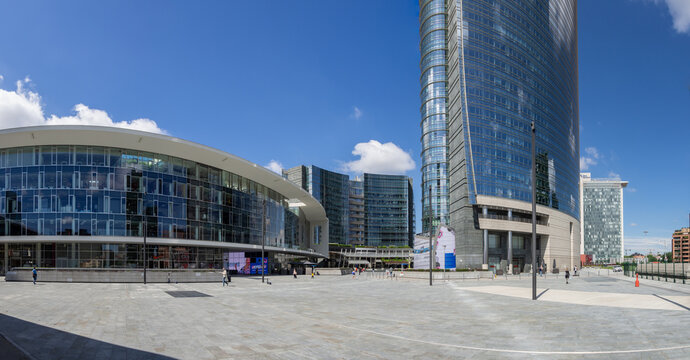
256 266
234 261
421 252
445 248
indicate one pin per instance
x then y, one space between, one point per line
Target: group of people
357 271
567 272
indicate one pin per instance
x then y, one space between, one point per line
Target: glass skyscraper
434 124
388 210
332 190
489 68
602 218
375 210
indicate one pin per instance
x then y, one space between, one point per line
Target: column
510 244
485 211
38 255
7 250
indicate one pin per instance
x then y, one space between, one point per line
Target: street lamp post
534 214
431 245
263 239
145 249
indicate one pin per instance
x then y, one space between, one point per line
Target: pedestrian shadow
42 342
542 293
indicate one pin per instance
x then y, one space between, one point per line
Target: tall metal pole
144 249
431 245
534 214
263 240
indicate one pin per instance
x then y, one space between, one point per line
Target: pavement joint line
604 352
672 302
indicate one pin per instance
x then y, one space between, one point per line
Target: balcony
518 219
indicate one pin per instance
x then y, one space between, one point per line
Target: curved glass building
510 63
87 197
432 32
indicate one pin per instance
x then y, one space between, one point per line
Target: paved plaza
337 317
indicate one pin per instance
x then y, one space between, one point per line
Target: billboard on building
444 248
235 261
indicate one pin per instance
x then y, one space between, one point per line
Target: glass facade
432 31
331 189
602 219
388 210
111 192
519 64
356 235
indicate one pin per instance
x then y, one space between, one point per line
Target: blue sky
305 82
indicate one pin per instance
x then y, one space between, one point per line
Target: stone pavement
336 317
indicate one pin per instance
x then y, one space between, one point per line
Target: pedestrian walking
168 277
312 273
34 274
354 271
541 270
225 277
575 270
294 273
567 275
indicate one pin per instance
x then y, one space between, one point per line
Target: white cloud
356 113
380 158
22 107
2 78
680 13
630 189
633 224
275 166
613 175
590 159
644 244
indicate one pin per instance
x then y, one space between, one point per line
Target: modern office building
356 236
377 210
602 218
490 68
332 190
388 210
681 245
89 196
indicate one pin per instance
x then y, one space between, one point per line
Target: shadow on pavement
42 342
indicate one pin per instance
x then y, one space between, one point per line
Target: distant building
356 236
388 210
376 210
602 218
331 189
681 245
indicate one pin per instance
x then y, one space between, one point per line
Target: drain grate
186 294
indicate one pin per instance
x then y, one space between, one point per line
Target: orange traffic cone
637 280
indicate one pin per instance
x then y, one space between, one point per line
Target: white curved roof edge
161 144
